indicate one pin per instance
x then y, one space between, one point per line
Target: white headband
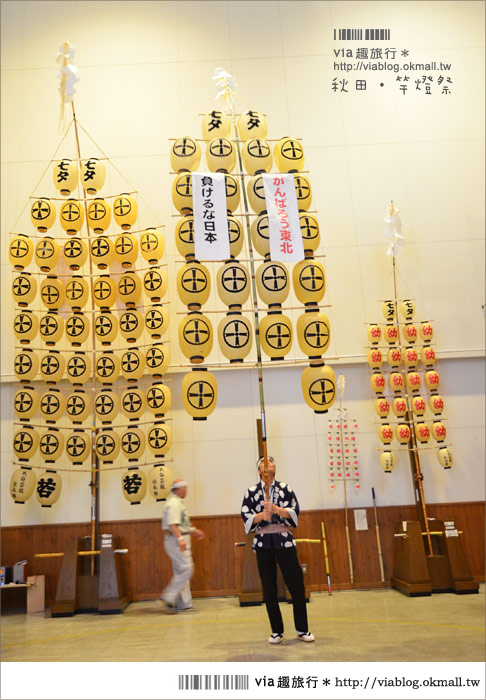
178 485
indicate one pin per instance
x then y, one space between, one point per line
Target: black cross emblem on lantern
234 230
102 289
258 148
23 402
155 397
23 442
103 325
152 280
184 147
49 444
70 211
50 294
278 335
196 331
301 188
274 278
105 366
292 149
311 278
50 404
99 247
21 286
104 404
186 231
76 366
75 405
148 242
231 186
259 189
130 443
200 394
154 319
316 334
126 286
155 357
132 402
23 364
157 438
50 364
74 326
40 210
23 323
75 445
19 248
184 186
73 248
128 322
236 334
234 279
194 280
105 444
130 362
48 325
308 228
74 290
262 228
221 147
322 391
96 211
124 245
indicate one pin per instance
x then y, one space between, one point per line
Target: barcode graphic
357 34
208 682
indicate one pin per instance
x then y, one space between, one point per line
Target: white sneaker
275 638
306 636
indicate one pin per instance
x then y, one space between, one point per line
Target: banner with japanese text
211 237
286 243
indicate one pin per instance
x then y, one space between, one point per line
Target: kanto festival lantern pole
227 83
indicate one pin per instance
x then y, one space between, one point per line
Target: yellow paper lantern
418 405
159 481
236 236
432 380
399 406
387 461
193 284
78 406
26 403
104 291
106 327
377 382
75 253
20 251
157 359
126 249
309 281
46 253
71 216
76 292
52 292
233 284
232 189
445 457
422 432
79 368
107 367
426 331
185 154
25 443
402 432
235 336
99 215
389 310
439 431
155 283
184 236
134 485
394 357
130 288
260 235
427 355
409 333
199 393
159 399
131 325
309 228
303 191
152 245
313 333
256 195
78 446
182 193
395 381
411 357
390 333
289 155
48 488
215 124
195 336
52 366
156 320
272 281
375 358
78 327
51 444
256 155
106 405
133 444
22 484
125 210
43 214
436 404
407 309
24 289
26 326
319 387
413 381
52 405
65 176
102 252
276 335
220 155
132 364
374 333
382 407
252 124
93 173
159 439
107 445
385 433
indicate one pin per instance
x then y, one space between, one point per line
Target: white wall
146 74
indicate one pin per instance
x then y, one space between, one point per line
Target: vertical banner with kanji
283 218
211 238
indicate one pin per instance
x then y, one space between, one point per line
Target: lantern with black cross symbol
184 237
134 485
20 251
52 292
303 192
133 444
195 336
26 403
52 405
125 211
51 445
313 332
107 445
78 406
71 216
104 291
107 367
156 321
43 214
182 193
155 283
159 399
319 386
233 283
26 326
276 335
131 325
76 291
185 155
260 235
106 326
78 326
65 176
46 254
152 245
235 335
272 281
256 155
215 124
79 368
25 443
232 190
220 155
252 124
78 446
199 393
22 484
106 406
193 284
157 359
236 236
99 215
159 481
289 155
93 174
126 249
256 195
159 439
310 230
309 280
52 366
129 288
132 364
75 253
48 488
133 403
102 252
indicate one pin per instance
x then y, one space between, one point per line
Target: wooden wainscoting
218 562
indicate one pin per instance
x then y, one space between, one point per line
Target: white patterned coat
281 495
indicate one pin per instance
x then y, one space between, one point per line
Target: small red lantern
427 355
436 404
418 405
382 407
377 382
439 431
391 334
413 381
426 331
402 432
422 432
394 357
375 358
374 333
432 380
395 381
411 357
385 433
399 406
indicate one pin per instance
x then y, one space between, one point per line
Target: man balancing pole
271 520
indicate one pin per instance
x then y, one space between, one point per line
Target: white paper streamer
226 82
285 236
211 237
393 231
68 73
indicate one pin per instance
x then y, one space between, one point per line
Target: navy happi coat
281 495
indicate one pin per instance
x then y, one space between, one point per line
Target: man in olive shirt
177 528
